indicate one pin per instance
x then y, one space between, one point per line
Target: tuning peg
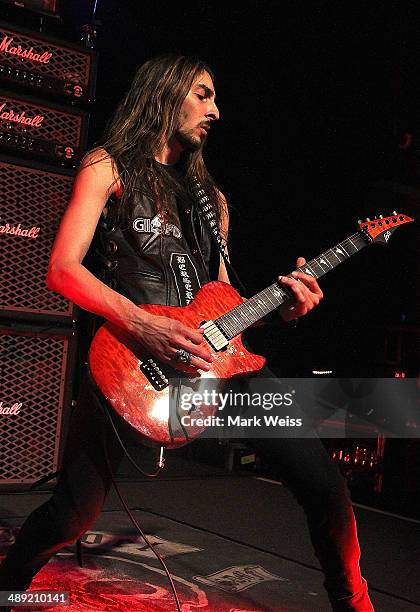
359 221
367 219
394 212
381 216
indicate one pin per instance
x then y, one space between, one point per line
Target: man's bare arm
95 182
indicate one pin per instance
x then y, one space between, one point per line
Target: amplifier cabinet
46 131
36 370
46 7
32 202
45 66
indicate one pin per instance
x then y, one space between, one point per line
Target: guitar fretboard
255 308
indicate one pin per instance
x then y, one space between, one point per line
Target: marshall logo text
16 230
11 115
6 47
13 409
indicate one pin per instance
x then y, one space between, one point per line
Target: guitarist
151 246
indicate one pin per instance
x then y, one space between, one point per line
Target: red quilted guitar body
115 361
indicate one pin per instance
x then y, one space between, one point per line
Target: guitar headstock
380 229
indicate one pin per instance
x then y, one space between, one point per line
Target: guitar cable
161 462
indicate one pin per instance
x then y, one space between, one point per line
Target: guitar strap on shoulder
207 213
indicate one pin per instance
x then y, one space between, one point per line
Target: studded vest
149 263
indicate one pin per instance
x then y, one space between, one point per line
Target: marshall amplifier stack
34 129
45 67
46 88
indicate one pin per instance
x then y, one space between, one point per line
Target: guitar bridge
154 374
214 336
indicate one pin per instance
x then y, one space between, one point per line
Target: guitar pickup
154 374
214 336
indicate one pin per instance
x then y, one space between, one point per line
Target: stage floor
232 543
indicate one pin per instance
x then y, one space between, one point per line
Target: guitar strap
208 215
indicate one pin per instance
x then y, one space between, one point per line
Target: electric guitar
139 387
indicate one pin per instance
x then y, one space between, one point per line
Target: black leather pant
84 482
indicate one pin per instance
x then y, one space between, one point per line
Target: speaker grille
34 368
32 199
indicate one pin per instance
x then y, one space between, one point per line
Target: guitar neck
255 308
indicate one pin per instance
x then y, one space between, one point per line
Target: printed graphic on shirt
146 225
186 277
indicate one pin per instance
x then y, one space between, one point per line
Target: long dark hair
145 119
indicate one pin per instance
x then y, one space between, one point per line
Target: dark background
315 100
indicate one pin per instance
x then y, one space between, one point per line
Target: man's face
197 112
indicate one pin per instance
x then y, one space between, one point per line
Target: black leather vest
149 263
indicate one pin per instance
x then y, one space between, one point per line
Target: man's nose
213 112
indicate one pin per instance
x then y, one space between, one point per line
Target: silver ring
183 356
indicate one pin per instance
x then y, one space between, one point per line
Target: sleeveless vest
149 263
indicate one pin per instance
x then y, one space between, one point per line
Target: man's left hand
306 292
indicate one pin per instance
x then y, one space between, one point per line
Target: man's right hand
163 337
